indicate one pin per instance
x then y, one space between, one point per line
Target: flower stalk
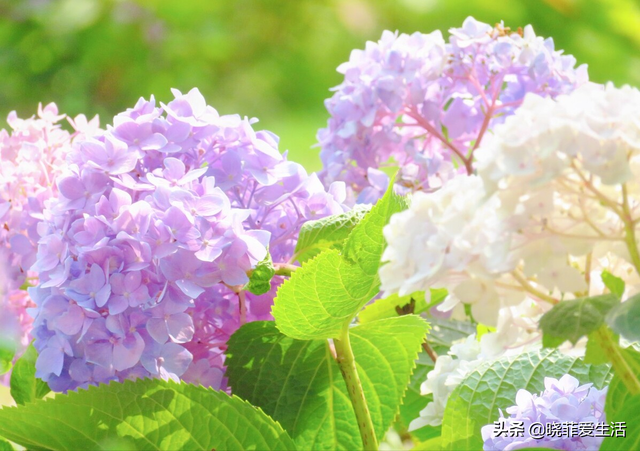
285 269
347 363
630 231
619 363
530 289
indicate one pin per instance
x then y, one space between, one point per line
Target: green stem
347 364
619 363
630 240
285 269
630 231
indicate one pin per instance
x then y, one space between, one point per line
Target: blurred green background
271 59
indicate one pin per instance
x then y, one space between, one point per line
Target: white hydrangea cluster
447 374
595 128
454 238
567 174
516 332
517 329
556 201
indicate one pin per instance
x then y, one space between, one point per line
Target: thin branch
608 202
242 303
531 289
429 350
630 230
428 127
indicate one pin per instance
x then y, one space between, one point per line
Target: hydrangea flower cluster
554 204
447 374
32 156
517 332
563 400
423 104
571 195
143 255
569 185
450 231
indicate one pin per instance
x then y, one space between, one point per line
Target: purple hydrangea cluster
32 155
424 105
563 403
143 255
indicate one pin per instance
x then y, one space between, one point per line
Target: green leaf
433 444
414 402
25 387
625 317
426 433
614 284
5 445
8 347
260 277
628 414
445 331
441 336
618 392
299 383
493 385
595 354
365 243
395 305
483 329
327 233
148 414
571 320
321 297
324 295
394 343
7 353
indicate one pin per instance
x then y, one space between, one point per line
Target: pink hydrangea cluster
32 155
554 419
144 253
423 104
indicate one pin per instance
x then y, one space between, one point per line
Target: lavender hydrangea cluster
424 105
563 402
32 152
143 255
